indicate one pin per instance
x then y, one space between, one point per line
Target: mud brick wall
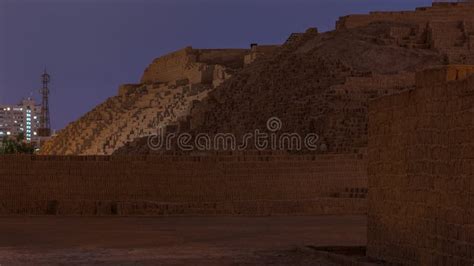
437 12
173 84
169 67
182 63
444 27
136 112
233 58
180 185
421 179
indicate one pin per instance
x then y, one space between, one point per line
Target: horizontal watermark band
230 142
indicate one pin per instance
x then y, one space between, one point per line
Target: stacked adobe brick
445 27
421 181
246 184
136 112
322 82
316 83
169 88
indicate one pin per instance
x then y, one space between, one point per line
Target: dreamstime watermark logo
259 140
274 124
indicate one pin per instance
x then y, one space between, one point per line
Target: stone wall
421 162
182 185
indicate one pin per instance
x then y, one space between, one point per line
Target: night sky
91 47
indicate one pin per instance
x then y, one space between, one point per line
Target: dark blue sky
91 47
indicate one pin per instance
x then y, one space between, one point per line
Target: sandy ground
174 240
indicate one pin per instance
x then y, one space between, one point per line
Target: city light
20 119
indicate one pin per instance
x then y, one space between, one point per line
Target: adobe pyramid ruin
315 82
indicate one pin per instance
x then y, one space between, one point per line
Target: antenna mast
45 124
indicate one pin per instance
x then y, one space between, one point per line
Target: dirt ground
175 240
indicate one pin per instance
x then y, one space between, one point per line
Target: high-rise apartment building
20 118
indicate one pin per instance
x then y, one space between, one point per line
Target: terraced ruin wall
192 62
182 185
445 27
438 12
233 58
169 67
421 179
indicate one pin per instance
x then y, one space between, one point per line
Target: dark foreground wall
167 185
421 179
